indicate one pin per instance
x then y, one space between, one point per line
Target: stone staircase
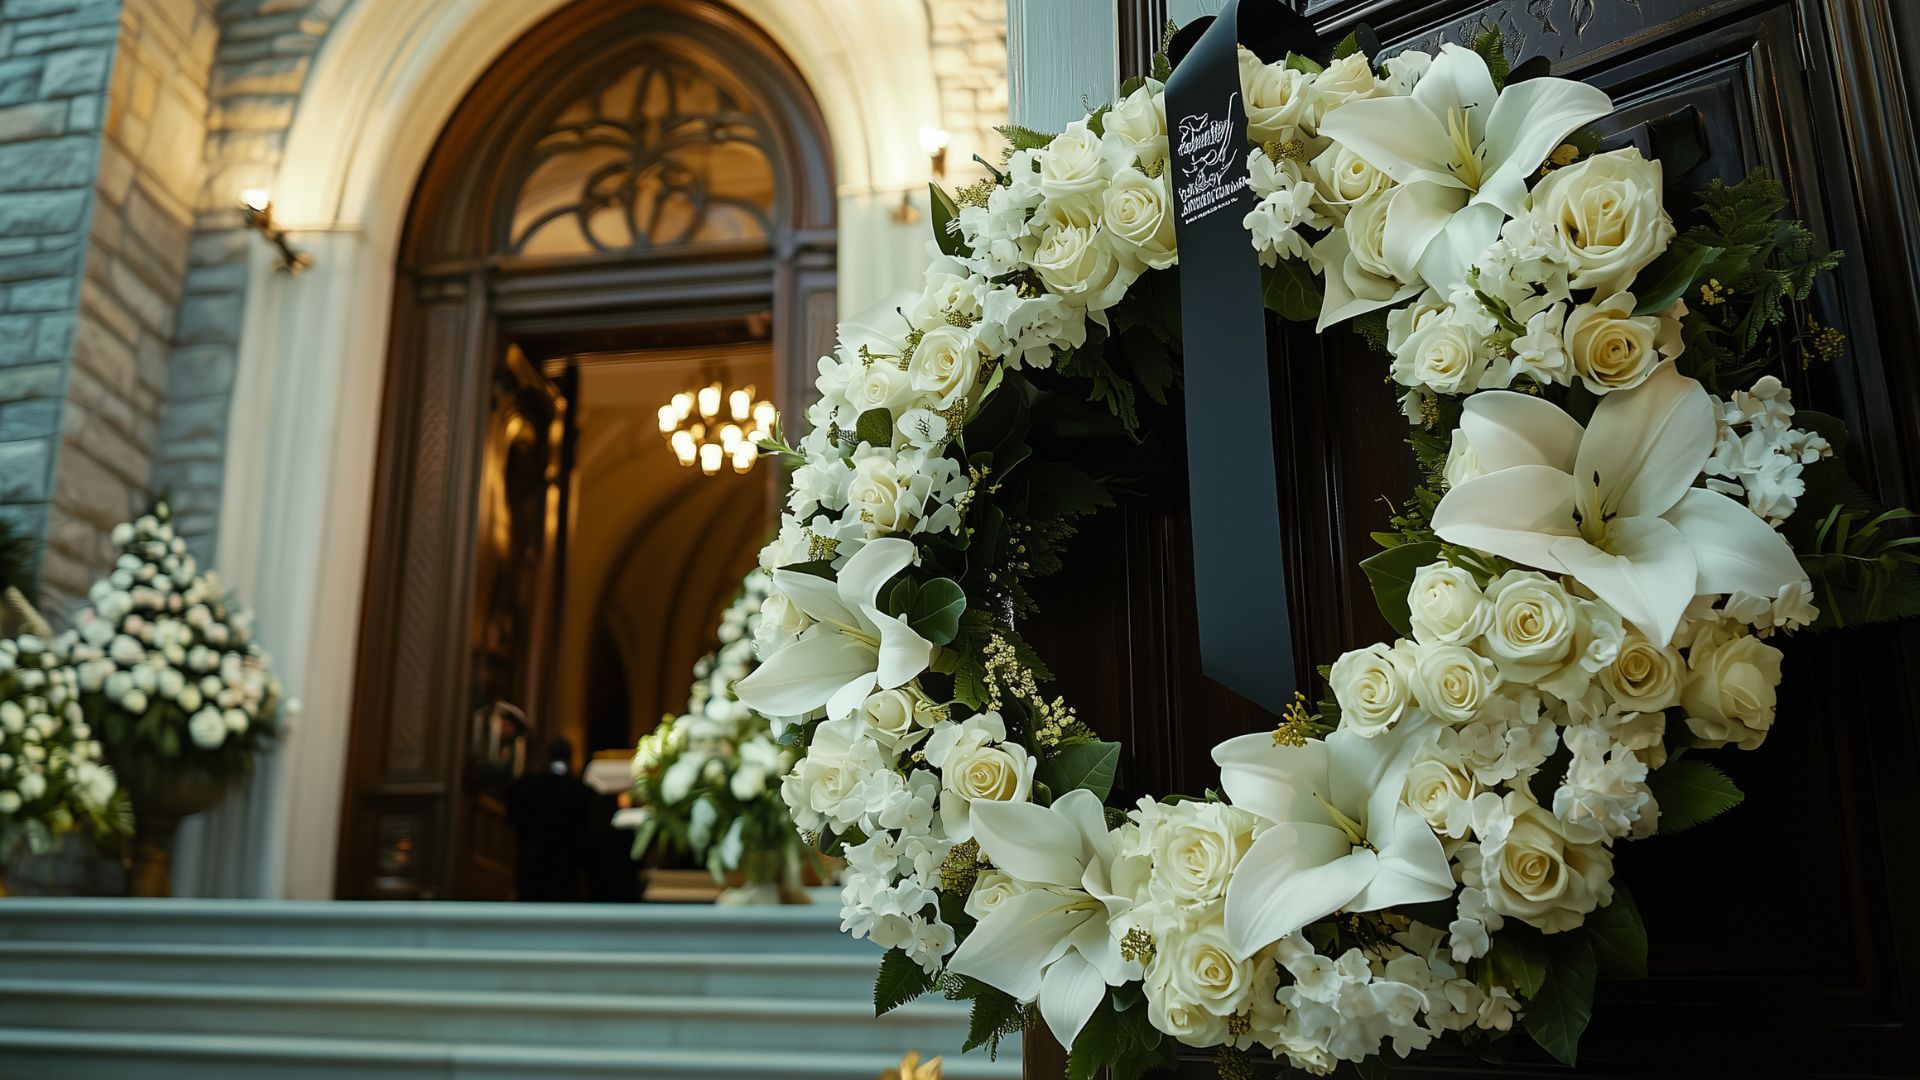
213 989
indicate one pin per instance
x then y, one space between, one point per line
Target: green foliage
1057 489
875 428
1088 765
1559 1011
1672 276
1292 291
1491 49
935 610
900 981
946 231
1023 138
1121 1041
1863 570
1391 575
1691 791
1372 328
1518 958
995 1014
1619 937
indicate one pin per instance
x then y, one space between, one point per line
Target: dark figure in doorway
550 811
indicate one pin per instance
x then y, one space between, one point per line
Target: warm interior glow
763 417
256 198
933 140
695 427
683 405
730 437
743 456
668 419
710 458
710 401
740 403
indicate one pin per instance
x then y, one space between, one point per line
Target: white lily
1054 941
1461 152
1613 505
852 649
1341 838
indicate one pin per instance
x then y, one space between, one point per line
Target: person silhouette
550 811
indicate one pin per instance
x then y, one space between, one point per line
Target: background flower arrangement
52 777
707 781
1622 514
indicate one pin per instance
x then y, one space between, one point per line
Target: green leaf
995 1015
1347 47
875 428
1619 937
1056 489
1671 276
1691 791
1089 765
1296 62
900 980
1097 1044
1292 292
945 233
1391 575
1557 1015
1024 138
1519 959
936 608
1493 51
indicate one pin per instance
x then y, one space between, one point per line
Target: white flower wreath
1428 855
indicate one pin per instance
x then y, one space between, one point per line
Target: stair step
635 1021
117 1054
847 978
690 928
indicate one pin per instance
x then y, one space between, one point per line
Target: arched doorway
624 186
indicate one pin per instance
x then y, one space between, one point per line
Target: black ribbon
1239 555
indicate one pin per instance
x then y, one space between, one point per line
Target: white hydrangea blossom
1759 455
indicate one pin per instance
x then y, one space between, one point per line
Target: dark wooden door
1782 939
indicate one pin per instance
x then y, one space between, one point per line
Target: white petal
1337 302
1082 809
1295 873
1648 578
1413 866
1397 135
816 596
1417 213
1647 445
1452 254
903 652
1457 79
803 676
1069 993
1529 121
1011 947
870 568
851 696
1508 429
1516 513
1735 550
1030 842
1279 783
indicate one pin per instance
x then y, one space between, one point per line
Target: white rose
1446 355
1139 218
1604 217
748 783
32 786
1357 253
879 495
189 698
1343 179
1135 129
1196 967
1532 629
9 802
1195 846
1529 869
1729 694
1002 773
1280 101
879 385
945 363
1371 686
1447 605
1452 681
1076 263
991 889
1070 166
236 720
207 729
1439 788
891 718
1613 349
1644 677
1349 78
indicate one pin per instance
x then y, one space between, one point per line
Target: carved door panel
1779 938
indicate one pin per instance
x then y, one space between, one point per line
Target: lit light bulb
256 199
741 402
710 458
933 140
710 401
743 456
683 446
682 405
668 421
730 437
764 416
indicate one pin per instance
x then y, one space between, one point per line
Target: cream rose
1076 263
1532 626
1645 677
1529 869
1349 78
991 889
1446 355
1447 605
1281 103
1070 166
1357 253
891 719
1343 179
995 773
1135 129
1605 218
1729 694
1371 686
879 495
1138 217
945 364
880 385
1613 349
1196 968
1195 846
1452 681
1439 788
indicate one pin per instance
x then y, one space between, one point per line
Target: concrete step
599 1021
846 977
661 928
32 1054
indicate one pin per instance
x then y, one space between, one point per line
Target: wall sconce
257 204
934 142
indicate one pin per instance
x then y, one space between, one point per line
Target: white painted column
1063 58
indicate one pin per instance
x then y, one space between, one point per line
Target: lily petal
1517 513
1458 79
903 652
816 596
1735 549
1649 576
803 676
1413 865
1069 993
870 568
1279 783
1397 135
1083 809
1451 255
1030 842
1508 429
851 696
1527 123
1338 303
1417 213
1011 947
1295 873
1647 445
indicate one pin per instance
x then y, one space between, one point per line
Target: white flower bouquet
52 776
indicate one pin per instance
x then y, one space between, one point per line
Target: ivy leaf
875 428
1691 791
899 981
1619 937
1391 575
935 611
1671 276
1292 292
1557 1015
1089 765
945 233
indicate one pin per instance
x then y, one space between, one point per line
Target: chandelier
699 432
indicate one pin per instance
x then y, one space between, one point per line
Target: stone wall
970 65
54 60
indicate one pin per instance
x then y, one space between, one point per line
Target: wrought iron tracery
665 154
